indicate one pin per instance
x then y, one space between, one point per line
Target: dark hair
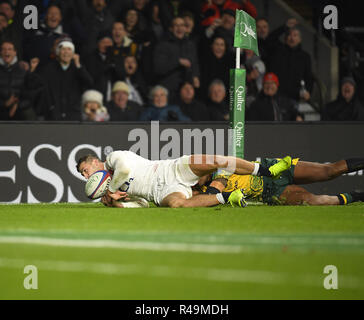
183 83
55 5
187 13
8 41
86 158
262 18
289 30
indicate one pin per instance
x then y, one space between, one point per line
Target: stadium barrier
37 161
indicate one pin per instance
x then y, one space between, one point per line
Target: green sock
345 198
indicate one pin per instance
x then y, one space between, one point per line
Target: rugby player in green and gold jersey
286 190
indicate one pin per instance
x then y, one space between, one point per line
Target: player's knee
177 203
220 162
331 171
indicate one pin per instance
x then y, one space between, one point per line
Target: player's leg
201 165
296 195
179 200
309 172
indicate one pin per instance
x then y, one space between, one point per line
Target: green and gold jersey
263 189
252 185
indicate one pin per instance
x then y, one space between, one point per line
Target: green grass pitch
87 251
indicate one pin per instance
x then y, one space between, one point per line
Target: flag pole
245 36
237 58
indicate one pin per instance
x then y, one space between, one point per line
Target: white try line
129 245
194 243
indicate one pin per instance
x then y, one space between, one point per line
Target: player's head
89 164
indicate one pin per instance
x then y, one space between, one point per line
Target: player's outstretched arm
136 202
117 162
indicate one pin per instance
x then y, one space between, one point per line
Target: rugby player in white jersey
168 182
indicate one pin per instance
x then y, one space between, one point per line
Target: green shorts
272 189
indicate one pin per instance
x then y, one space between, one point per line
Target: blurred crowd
142 60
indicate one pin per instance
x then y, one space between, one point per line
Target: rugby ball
97 184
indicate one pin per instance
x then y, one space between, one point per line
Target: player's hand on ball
107 201
110 202
118 195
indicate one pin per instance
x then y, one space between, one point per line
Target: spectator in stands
66 80
155 22
156 33
103 72
225 28
175 59
96 18
135 80
347 106
136 29
122 47
38 43
93 108
215 64
160 110
272 106
292 65
255 71
120 108
13 32
142 7
267 41
190 106
192 32
18 87
168 10
216 102
212 9
8 9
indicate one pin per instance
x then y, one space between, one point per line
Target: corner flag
245 32
246 38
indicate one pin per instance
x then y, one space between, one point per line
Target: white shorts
174 176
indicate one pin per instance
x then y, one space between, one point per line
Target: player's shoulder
117 153
125 155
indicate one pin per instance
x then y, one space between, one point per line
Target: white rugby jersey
132 174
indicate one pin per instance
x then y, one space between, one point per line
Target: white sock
220 198
256 169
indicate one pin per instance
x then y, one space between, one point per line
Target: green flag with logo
245 32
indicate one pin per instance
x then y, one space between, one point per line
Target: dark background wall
37 161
